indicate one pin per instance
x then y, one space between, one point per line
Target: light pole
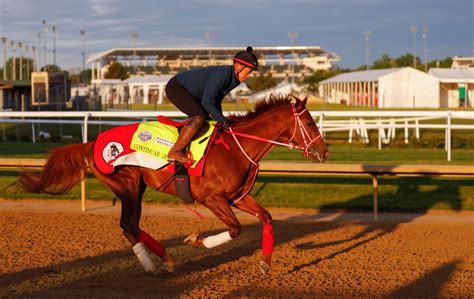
83 39
13 61
210 36
33 50
425 38
367 34
134 42
39 63
293 36
27 49
45 51
414 30
54 44
20 46
4 41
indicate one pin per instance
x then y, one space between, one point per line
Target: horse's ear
297 100
301 104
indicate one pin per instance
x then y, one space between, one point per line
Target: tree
444 63
83 76
52 68
384 62
27 66
407 60
116 71
261 82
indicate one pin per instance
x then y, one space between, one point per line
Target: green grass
346 153
319 192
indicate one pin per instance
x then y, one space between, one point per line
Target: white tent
386 88
456 86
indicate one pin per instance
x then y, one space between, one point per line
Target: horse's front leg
140 240
250 205
221 208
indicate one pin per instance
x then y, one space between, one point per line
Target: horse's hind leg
220 207
250 205
128 185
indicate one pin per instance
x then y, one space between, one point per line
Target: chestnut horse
229 174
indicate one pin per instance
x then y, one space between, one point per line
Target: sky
337 26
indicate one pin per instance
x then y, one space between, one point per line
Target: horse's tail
66 166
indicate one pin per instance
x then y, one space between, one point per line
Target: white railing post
351 130
84 174
448 135
321 124
380 130
406 131
33 133
417 129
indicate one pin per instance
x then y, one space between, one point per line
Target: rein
298 124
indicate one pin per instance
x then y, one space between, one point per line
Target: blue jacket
210 85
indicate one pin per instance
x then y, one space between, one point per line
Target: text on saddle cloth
156 139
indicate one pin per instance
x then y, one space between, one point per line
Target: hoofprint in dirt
52 249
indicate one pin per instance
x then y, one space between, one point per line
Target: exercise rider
199 92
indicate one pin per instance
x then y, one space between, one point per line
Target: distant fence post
84 173
33 133
375 184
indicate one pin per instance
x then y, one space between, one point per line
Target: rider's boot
176 153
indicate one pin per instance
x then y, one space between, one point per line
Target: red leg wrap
267 243
151 243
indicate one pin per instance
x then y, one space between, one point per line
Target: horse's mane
263 105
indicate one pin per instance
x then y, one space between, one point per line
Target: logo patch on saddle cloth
111 151
155 139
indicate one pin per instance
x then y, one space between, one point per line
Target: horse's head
306 133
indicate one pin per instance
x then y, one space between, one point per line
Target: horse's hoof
191 239
264 267
168 266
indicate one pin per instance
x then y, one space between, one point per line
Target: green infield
317 192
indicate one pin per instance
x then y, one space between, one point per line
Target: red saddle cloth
115 143
111 145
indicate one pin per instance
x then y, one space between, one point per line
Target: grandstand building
282 62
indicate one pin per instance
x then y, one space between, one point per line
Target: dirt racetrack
52 249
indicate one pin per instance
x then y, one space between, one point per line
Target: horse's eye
310 123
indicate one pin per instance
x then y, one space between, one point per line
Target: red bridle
304 133
298 124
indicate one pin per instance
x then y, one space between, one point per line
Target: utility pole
20 46
4 41
13 61
293 36
414 30
27 49
54 44
39 52
367 34
425 38
134 43
210 36
83 39
45 51
33 50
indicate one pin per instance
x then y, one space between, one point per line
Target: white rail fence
354 122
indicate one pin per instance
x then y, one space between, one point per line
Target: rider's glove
226 124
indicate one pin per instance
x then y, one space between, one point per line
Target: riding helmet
247 58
